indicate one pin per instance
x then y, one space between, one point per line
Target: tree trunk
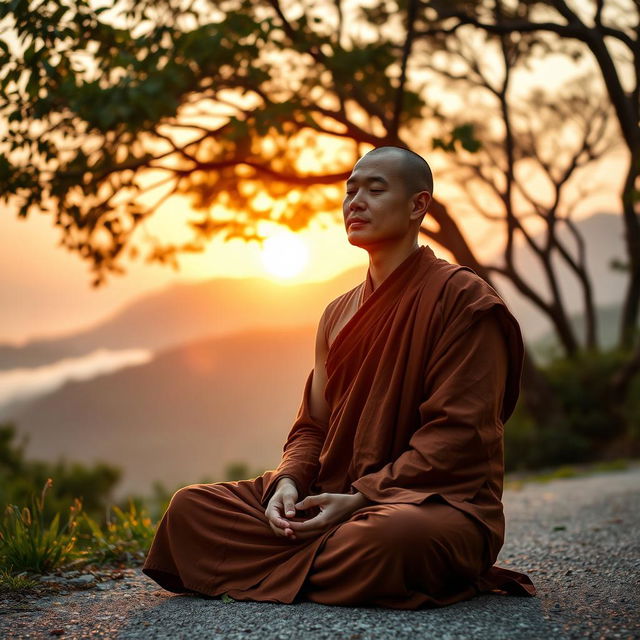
629 320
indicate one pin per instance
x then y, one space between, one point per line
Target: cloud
25 384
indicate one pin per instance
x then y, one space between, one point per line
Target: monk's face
376 194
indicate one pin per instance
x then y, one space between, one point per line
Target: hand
280 505
334 508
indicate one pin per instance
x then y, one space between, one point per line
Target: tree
503 139
609 31
531 150
218 107
112 111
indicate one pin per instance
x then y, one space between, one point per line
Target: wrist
360 500
286 480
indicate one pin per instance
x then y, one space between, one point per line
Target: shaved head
415 171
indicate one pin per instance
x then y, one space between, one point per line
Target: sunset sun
284 254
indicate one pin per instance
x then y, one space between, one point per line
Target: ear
421 202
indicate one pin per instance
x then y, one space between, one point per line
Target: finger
307 502
285 531
275 520
307 535
281 522
313 524
289 507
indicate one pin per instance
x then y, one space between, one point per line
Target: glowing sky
45 290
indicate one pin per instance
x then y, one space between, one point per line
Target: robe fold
422 374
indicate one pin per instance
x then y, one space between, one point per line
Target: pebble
85 579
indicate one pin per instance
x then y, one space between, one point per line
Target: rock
83 580
71 574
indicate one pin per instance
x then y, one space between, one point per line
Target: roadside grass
31 545
12 583
124 539
517 479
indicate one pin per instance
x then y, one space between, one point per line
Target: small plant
10 583
123 539
28 543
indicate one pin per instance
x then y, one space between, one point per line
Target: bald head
414 170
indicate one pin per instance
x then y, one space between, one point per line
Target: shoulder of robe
465 292
337 303
466 298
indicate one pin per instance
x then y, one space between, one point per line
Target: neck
382 261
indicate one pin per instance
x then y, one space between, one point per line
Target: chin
359 237
357 242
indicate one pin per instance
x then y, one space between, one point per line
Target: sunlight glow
284 254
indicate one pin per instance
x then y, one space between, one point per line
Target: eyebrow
369 179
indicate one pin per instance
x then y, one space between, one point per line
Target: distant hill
185 312
184 415
223 306
608 319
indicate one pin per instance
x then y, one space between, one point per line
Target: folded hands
329 508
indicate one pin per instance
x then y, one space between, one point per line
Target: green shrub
125 538
20 478
596 425
31 542
582 386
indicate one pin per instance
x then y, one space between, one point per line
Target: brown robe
422 374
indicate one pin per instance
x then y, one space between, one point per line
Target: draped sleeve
460 415
301 451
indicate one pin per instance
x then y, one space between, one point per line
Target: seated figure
389 488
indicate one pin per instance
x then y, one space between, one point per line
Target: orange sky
45 290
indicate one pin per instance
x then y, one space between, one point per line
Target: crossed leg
400 556
215 538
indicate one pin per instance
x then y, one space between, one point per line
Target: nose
355 202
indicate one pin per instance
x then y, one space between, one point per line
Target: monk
389 488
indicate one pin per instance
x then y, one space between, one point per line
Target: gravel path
577 538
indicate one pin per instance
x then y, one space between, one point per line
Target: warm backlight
284 254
